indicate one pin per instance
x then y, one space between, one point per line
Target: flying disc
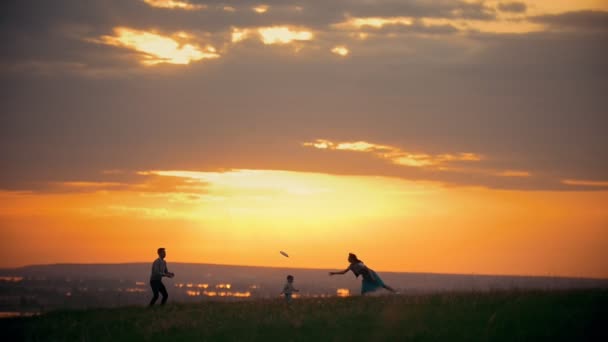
284 254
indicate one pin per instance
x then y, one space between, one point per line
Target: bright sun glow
272 195
156 48
215 216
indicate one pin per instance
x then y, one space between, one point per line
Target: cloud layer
207 85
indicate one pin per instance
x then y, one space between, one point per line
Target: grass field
476 316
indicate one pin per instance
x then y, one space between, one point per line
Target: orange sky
246 217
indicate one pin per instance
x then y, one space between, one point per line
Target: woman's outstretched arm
339 272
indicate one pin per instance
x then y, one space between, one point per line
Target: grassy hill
488 316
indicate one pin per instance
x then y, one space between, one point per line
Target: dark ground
573 315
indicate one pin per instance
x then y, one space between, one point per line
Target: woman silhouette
371 281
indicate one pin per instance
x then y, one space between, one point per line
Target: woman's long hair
353 258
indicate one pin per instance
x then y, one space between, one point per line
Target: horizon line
307 268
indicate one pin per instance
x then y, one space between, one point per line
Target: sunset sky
448 136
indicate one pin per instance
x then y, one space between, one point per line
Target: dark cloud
100 16
595 20
45 35
512 7
531 102
419 8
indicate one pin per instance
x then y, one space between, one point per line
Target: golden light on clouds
283 35
156 48
501 25
86 186
260 9
394 154
582 182
361 146
90 184
539 7
271 35
375 22
340 50
175 4
320 144
238 35
504 23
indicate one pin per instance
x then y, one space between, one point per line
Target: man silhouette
159 270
